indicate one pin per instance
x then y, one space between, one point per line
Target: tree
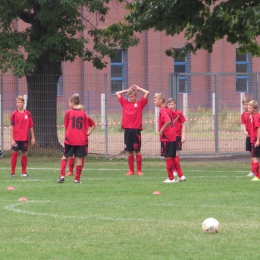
49 39
202 21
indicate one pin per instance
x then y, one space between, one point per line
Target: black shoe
61 180
12 175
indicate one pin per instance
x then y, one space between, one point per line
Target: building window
60 86
181 66
242 66
118 71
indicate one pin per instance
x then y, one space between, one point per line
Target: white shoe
183 178
169 181
250 174
175 174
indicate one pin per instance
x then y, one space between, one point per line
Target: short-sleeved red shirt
132 113
179 122
166 115
76 124
21 123
245 120
254 125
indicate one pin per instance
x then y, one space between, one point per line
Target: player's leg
68 152
71 166
128 140
137 149
248 148
24 158
14 159
255 153
79 153
168 151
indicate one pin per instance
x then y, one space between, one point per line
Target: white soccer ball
210 225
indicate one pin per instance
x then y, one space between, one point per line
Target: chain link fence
211 104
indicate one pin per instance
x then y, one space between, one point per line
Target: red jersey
132 113
179 122
166 115
76 124
254 125
245 120
21 122
90 123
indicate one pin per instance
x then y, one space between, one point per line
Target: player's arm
121 92
12 136
90 130
146 92
164 127
32 136
183 133
244 129
258 137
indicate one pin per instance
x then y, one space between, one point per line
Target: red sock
78 172
24 160
13 161
63 164
256 170
139 162
177 165
71 164
169 168
131 163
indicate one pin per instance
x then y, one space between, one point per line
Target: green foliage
51 35
203 22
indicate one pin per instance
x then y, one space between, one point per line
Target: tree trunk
42 103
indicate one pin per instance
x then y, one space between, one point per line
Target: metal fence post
2 113
106 117
256 86
216 115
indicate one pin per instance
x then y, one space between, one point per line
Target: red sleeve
90 122
143 101
243 121
66 119
122 101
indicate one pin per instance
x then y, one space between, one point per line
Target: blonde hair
170 100
74 99
131 91
246 100
82 107
253 104
160 96
20 98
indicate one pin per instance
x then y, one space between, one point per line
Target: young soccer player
132 124
76 125
21 125
245 122
167 137
91 125
180 130
254 133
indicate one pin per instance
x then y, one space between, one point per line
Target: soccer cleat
76 181
182 178
12 175
140 173
24 175
69 174
250 174
175 174
169 181
255 179
130 173
61 180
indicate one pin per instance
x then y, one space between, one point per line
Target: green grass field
113 216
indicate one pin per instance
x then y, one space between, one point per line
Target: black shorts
255 151
132 139
248 144
178 143
168 149
20 145
77 151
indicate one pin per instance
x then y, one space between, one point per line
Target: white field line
14 208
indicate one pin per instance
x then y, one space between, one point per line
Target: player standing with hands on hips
21 124
132 124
